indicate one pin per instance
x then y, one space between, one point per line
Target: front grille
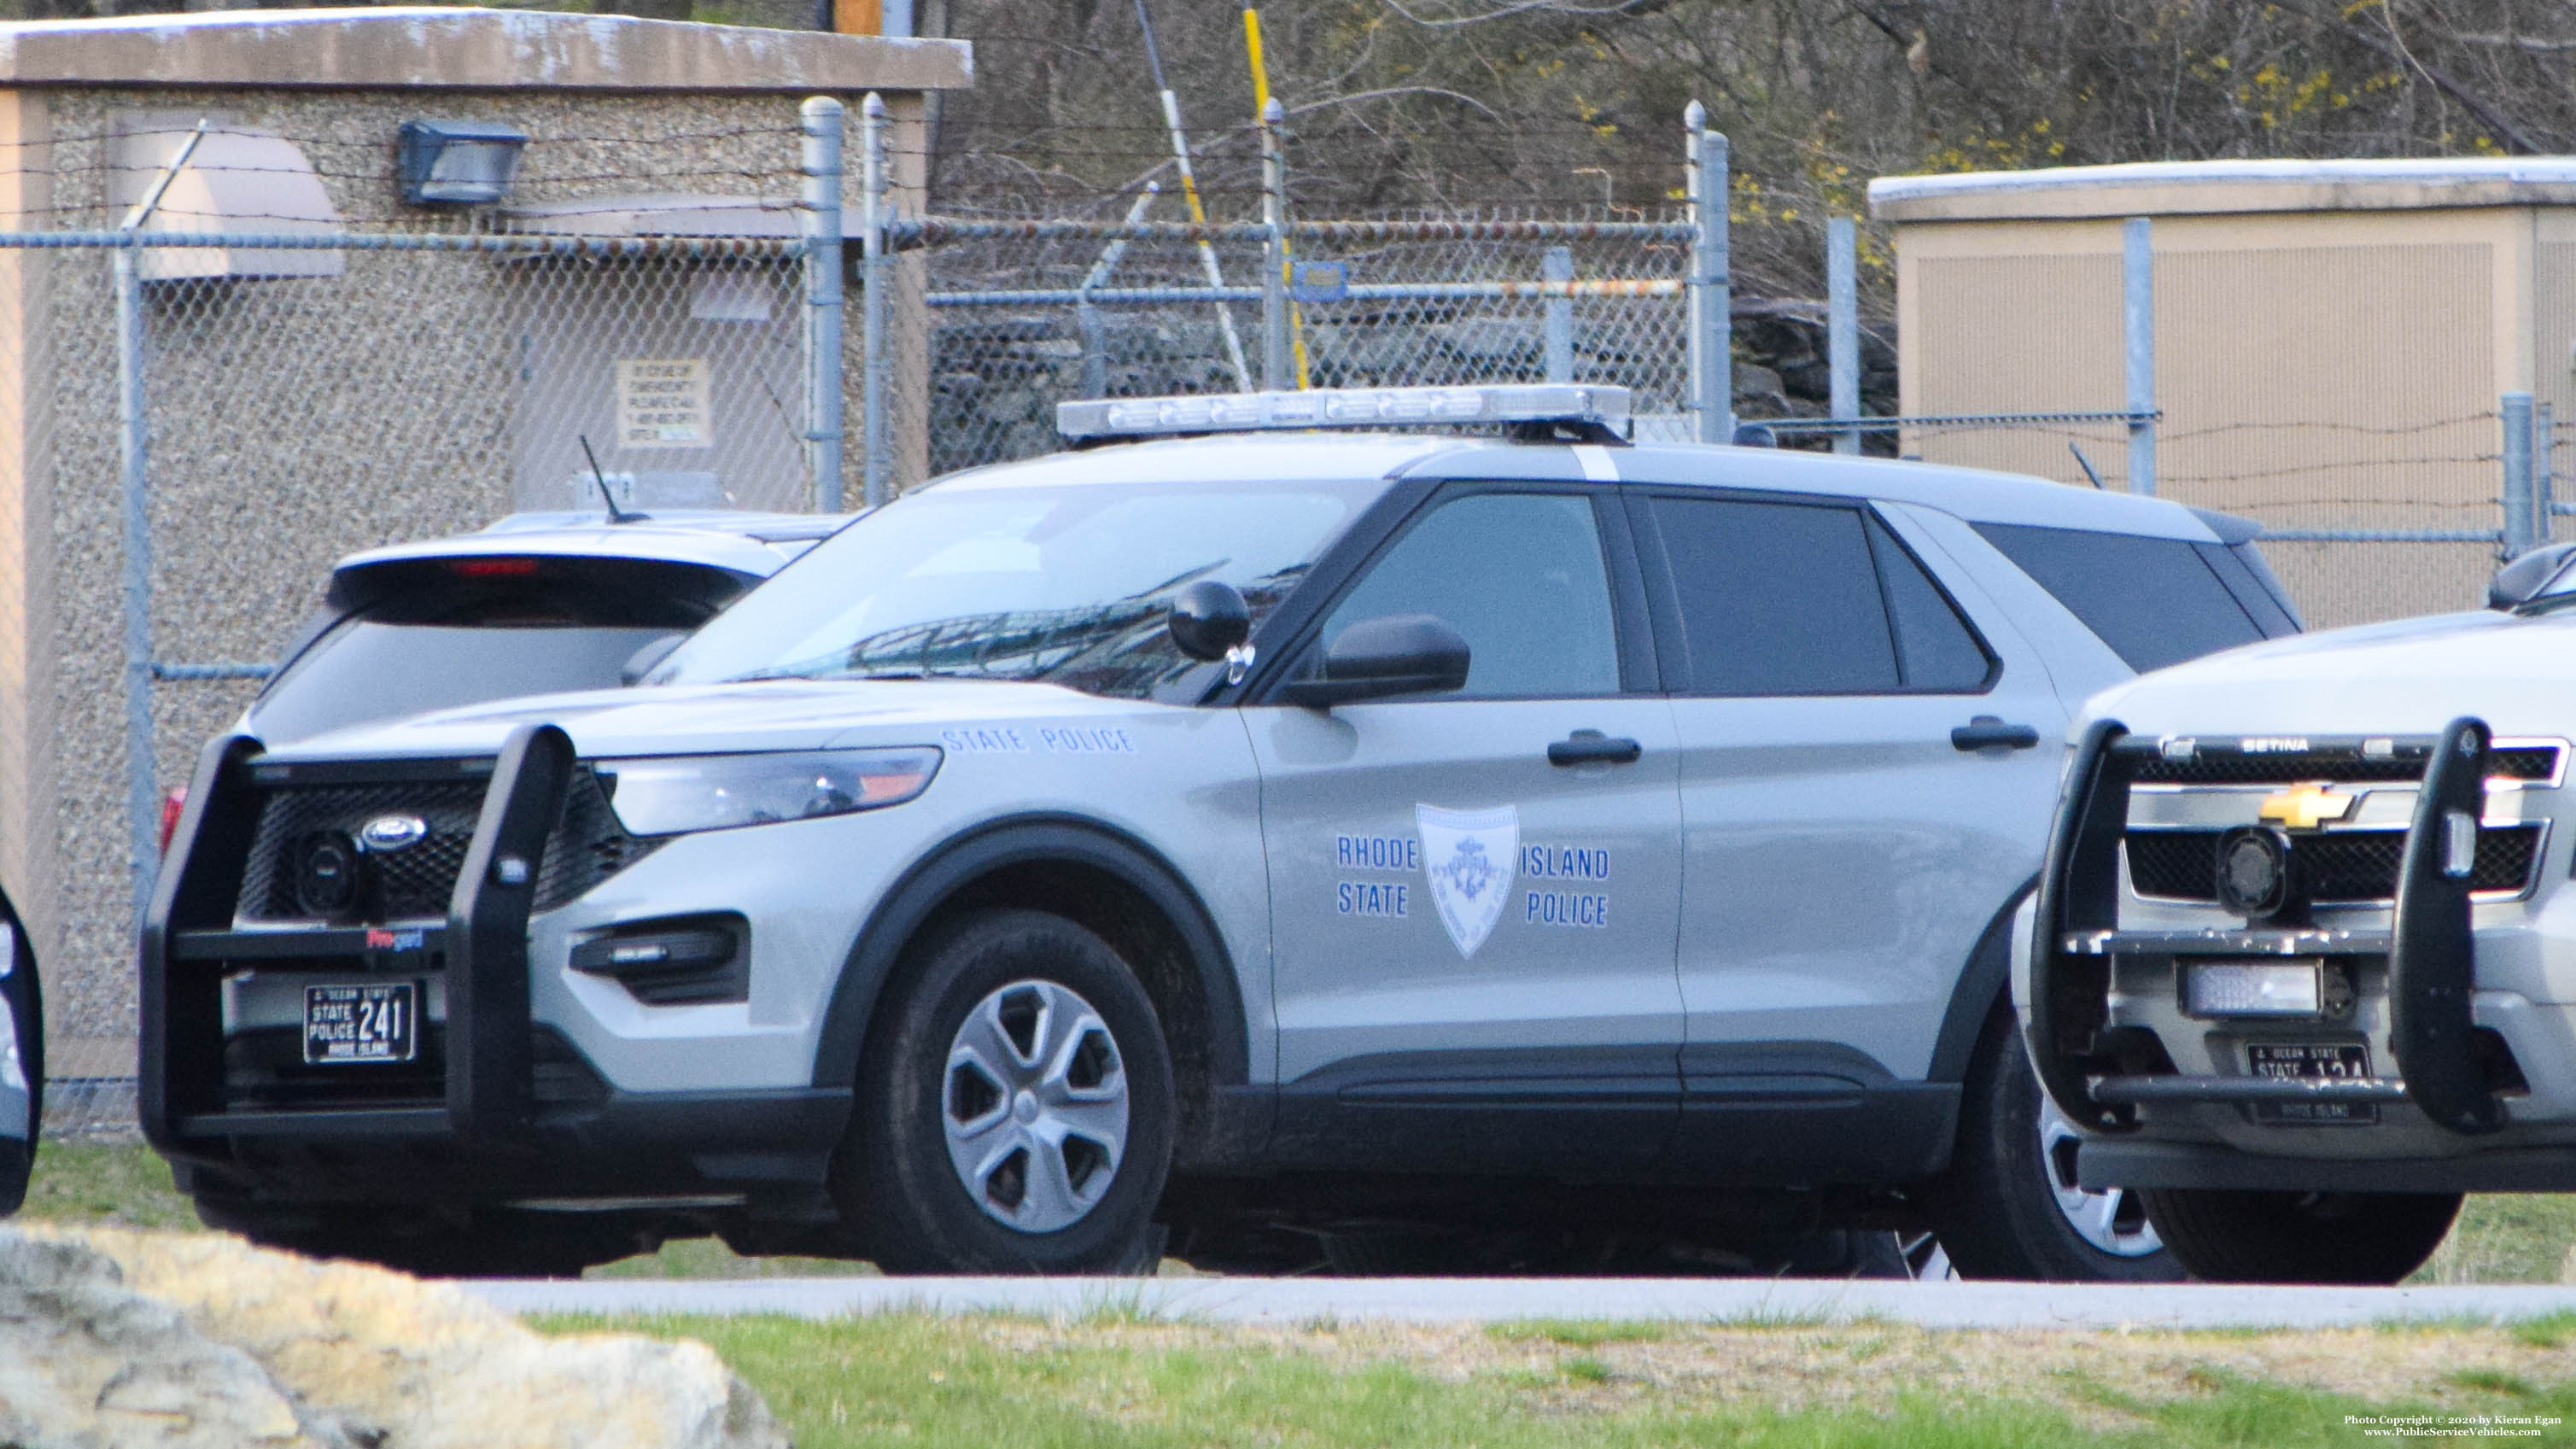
2513 762
587 846
2341 867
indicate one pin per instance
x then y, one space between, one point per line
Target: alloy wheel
1034 1104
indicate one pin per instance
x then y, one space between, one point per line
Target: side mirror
641 662
1209 619
1390 655
2518 581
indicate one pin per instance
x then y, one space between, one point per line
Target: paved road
1496 1300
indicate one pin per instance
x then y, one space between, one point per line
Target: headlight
674 794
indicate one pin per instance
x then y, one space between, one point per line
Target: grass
121 1183
2508 1238
937 1382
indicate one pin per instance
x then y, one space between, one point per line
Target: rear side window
2155 601
1936 651
1776 598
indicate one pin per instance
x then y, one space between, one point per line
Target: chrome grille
2525 762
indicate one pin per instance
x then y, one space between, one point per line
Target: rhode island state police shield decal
1470 856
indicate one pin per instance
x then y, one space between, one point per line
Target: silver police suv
1234 822
2302 965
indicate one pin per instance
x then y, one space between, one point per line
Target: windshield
1067 583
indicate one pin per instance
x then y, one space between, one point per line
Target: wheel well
1106 885
1117 912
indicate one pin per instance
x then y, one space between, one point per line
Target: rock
86 1363
111 1338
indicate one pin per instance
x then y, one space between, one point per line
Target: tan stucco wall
292 422
2316 370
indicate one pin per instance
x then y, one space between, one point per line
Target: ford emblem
388 833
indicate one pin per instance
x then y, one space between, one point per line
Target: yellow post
1261 104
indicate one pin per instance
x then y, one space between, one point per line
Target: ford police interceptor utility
2304 964
1522 833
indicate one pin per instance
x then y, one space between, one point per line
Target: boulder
111 1338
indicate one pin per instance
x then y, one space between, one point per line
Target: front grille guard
2430 948
188 933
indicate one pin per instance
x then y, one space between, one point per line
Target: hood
2409 676
717 718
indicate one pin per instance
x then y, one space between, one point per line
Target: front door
1474 933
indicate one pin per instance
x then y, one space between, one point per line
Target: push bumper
2100 1075
499 1107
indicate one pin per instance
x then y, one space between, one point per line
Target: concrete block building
303 404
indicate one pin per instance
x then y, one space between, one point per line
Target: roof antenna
2081 460
620 515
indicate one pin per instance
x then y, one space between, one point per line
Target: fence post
2138 334
1278 368
142 772
2514 408
1086 313
1712 344
2544 473
1557 339
821 120
1842 329
876 278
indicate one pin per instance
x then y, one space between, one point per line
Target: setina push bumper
2299 988
335 977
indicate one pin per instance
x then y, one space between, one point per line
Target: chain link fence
1024 315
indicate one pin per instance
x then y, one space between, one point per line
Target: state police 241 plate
371 1022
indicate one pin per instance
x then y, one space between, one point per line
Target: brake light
492 568
172 806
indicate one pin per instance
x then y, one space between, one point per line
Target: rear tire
2008 1206
2294 1237
989 1135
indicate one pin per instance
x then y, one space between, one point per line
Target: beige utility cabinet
2331 338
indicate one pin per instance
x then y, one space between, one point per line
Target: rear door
1862 791
1474 940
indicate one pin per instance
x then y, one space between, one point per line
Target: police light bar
1588 408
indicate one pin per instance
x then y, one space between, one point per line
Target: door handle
1986 731
1591 747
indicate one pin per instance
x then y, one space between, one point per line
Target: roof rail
1591 413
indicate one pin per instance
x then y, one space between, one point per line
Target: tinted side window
2153 600
1936 651
1521 576
1776 598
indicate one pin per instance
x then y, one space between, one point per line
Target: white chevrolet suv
1406 840
2303 963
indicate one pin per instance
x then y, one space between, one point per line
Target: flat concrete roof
467 49
2180 188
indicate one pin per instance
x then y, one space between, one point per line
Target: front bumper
495 1106
2168 1099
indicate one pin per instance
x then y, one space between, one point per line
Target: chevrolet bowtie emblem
2306 807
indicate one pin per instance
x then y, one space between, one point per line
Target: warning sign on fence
662 403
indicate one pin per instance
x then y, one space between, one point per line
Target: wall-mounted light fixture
458 163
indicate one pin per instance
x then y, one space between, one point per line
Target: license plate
347 1025
2311 1062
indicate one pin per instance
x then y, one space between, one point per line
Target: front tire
2295 1237
2009 1206
1014 1111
